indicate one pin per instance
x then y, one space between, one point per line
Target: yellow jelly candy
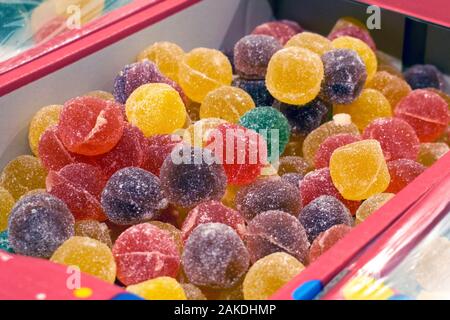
358 170
346 22
431 152
294 75
198 133
6 203
230 196
370 105
162 288
227 103
104 95
363 50
371 205
341 123
203 70
95 230
166 55
269 274
91 256
192 292
42 120
392 87
156 108
311 41
366 288
23 174
172 231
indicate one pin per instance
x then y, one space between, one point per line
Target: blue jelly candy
256 89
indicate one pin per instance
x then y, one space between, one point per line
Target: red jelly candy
323 154
158 148
280 30
402 172
426 112
326 240
53 154
355 32
318 183
90 126
144 252
79 185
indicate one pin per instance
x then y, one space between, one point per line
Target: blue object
126 296
400 297
4 243
308 290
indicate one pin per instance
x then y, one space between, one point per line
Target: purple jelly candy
421 76
256 89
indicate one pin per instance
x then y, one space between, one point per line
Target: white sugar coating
215 257
95 230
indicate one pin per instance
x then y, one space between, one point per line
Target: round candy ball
355 32
161 288
423 76
403 172
46 117
311 41
256 89
282 30
6 204
326 240
94 230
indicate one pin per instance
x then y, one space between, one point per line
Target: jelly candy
212 211
355 32
166 55
95 230
429 153
345 22
363 50
90 126
158 148
23 174
442 94
294 75
214 256
321 214
173 231
52 153
344 76
156 108
276 231
370 105
425 76
252 54
280 30
268 194
445 138
426 112
39 224
144 252
42 120
293 164
203 70
4 243
327 147
188 179
234 293
397 138
6 204
242 151
391 86
198 133
358 170
294 148
403 172
101 95
272 125
318 183
90 256
293 178
326 240
132 195
371 205
192 292
161 288
256 89
311 41
227 103
79 186
269 274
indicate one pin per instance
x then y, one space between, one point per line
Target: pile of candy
189 182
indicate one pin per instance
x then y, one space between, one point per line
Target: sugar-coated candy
23 174
166 55
39 224
161 288
326 240
272 125
227 103
426 112
370 105
173 231
431 152
442 94
101 95
362 49
94 230
294 146
156 108
252 54
372 204
256 89
158 148
280 30
190 176
293 178
344 76
392 87
269 274
294 75
268 194
229 197
6 204
311 41
212 211
242 151
89 255
276 231
197 134
403 172
132 195
358 170
144 252
421 76
321 214
215 257
46 117
90 126
319 183
79 185
4 242
52 152
445 138
192 292
397 138
327 147
293 164
203 70
347 21
304 119
234 293
355 32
